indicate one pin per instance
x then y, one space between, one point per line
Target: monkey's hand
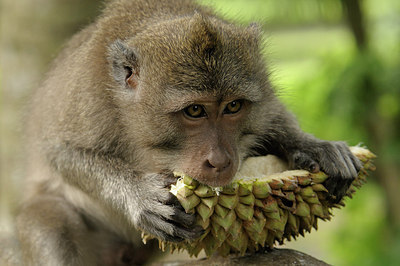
333 158
159 212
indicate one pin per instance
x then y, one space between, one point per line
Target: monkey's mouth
216 179
249 167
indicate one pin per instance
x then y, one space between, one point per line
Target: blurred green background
335 63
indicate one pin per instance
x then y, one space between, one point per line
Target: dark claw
333 158
169 179
194 233
156 225
183 219
171 200
302 160
314 167
337 188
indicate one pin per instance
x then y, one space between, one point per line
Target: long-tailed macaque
151 87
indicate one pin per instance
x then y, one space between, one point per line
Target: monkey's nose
217 162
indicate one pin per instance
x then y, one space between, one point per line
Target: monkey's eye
195 111
233 107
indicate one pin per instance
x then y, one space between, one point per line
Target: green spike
273 215
204 211
319 188
230 189
202 223
245 187
302 209
247 200
190 182
293 223
263 237
289 184
257 224
319 177
235 229
244 212
270 205
289 195
228 201
304 180
224 222
210 202
210 245
261 189
312 200
224 249
316 209
185 192
307 192
259 203
275 184
221 211
219 233
188 203
204 191
194 250
305 223
274 225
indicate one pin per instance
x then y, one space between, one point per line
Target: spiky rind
253 213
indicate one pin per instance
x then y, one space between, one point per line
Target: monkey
150 88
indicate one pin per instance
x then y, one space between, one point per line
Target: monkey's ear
124 64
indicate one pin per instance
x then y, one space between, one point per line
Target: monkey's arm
141 198
284 138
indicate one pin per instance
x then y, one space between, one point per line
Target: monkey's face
201 136
191 91
211 129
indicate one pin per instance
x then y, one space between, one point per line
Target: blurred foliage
279 13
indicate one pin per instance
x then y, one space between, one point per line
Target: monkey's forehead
197 44
205 55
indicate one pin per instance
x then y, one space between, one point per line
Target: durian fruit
263 205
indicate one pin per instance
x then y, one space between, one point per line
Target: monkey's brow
179 105
181 100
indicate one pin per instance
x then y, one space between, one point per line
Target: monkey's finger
331 184
172 200
313 167
191 234
356 162
182 218
171 209
155 225
168 180
304 161
351 168
341 189
169 230
337 188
